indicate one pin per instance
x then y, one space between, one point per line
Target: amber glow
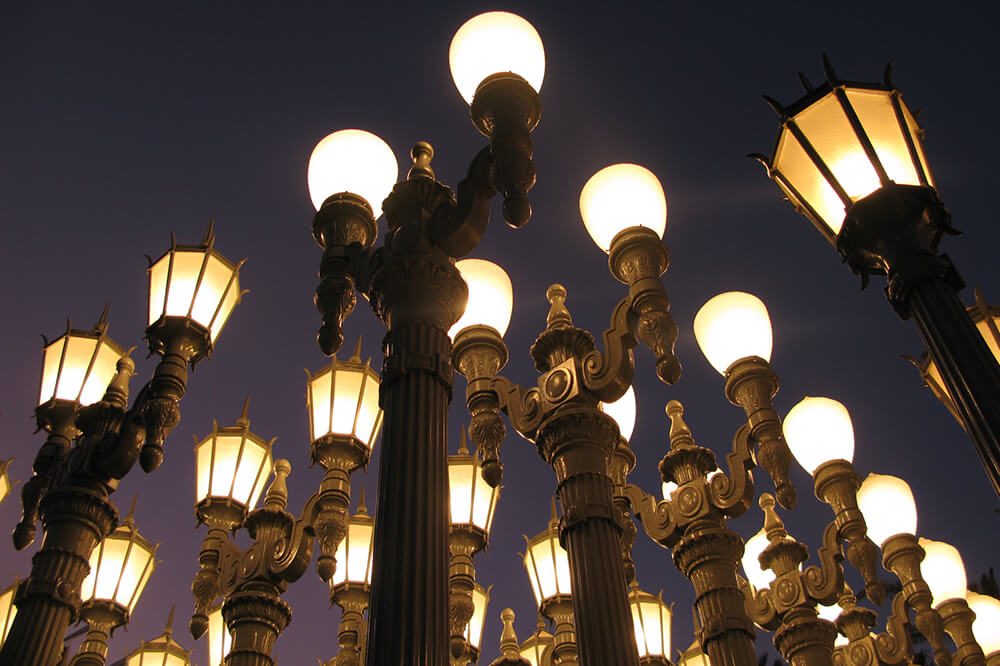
78 366
731 326
534 647
622 196
354 554
888 506
819 430
220 641
8 611
547 564
756 576
343 400
480 603
986 626
233 463
491 296
473 501
651 622
354 161
943 571
120 568
623 411
492 43
693 656
195 283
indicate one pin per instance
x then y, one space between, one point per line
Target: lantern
480 602
220 641
473 500
651 621
119 569
693 656
547 563
8 611
343 402
537 648
354 554
162 651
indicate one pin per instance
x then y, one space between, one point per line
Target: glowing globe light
986 626
943 571
492 43
731 326
622 196
888 506
758 577
819 430
623 412
354 161
491 296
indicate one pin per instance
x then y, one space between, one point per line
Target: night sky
122 123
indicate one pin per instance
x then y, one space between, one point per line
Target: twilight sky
124 122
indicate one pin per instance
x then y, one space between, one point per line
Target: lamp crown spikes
209 239
422 153
558 314
102 324
362 508
170 621
356 356
277 493
130 516
244 420
828 71
774 527
463 447
554 518
680 434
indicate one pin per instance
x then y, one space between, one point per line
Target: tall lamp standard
849 157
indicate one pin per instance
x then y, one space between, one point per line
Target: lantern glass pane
354 554
370 414
238 471
320 389
794 164
220 641
548 568
72 381
203 467
105 364
916 132
4 486
347 391
186 295
651 621
158 288
119 569
8 611
461 482
878 117
484 503
211 292
474 630
888 506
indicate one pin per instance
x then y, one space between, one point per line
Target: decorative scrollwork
825 582
732 493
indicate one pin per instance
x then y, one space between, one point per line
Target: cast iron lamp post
192 292
849 157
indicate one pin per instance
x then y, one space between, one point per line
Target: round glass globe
888 506
986 626
622 196
732 326
943 571
491 296
622 411
352 161
756 576
819 430
495 42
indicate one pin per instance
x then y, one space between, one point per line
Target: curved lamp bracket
458 229
732 493
609 375
825 583
656 517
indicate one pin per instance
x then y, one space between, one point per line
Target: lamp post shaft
255 617
75 520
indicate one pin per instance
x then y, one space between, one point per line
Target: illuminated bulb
622 411
888 506
758 577
732 326
622 196
830 614
352 161
943 571
986 626
492 43
819 430
491 296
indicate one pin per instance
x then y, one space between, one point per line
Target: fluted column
255 616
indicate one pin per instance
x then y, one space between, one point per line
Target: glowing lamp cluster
732 326
354 161
651 622
943 571
547 563
822 160
120 567
819 430
78 366
343 401
194 285
232 464
354 554
888 506
493 43
621 196
491 296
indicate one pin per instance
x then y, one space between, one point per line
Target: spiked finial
508 638
777 106
362 508
806 83
209 239
130 517
102 324
558 314
170 621
422 154
244 420
680 434
773 525
554 519
277 493
463 448
356 356
831 76
887 74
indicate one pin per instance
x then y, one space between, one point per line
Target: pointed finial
554 515
356 356
777 106
558 314
773 526
277 493
209 239
508 639
680 434
362 508
422 154
831 76
806 83
979 297
244 420
130 517
170 621
102 324
463 448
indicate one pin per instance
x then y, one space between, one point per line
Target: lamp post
192 292
849 157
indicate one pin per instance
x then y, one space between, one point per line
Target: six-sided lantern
162 651
474 630
343 402
354 554
192 291
537 648
651 620
547 563
473 500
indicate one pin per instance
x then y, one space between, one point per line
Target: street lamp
547 564
986 626
849 157
651 619
944 572
350 586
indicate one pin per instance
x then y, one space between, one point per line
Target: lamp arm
290 558
732 493
894 645
458 229
656 517
215 561
523 406
609 375
825 582
758 605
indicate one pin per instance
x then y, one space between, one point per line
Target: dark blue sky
125 122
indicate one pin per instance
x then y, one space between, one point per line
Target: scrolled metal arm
732 493
825 581
656 517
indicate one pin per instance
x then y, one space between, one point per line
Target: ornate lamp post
849 157
119 569
192 292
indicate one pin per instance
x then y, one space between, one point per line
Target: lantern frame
347 585
479 491
541 645
482 595
159 649
550 537
104 609
636 599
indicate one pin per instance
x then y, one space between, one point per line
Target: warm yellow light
78 366
220 641
986 626
622 196
819 430
827 128
492 43
651 623
8 611
120 568
830 614
888 506
196 283
731 326
491 296
5 485
547 564
354 161
667 488
232 463
536 646
343 400
480 602
693 656
623 412
473 500
354 554
758 577
943 571
162 651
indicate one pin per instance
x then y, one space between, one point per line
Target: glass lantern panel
158 288
461 486
533 652
917 134
548 568
64 370
203 467
101 374
223 469
651 621
484 503
794 164
320 390
878 117
135 575
474 630
183 280
359 556
4 487
8 611
347 391
220 641
213 290
254 468
369 414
